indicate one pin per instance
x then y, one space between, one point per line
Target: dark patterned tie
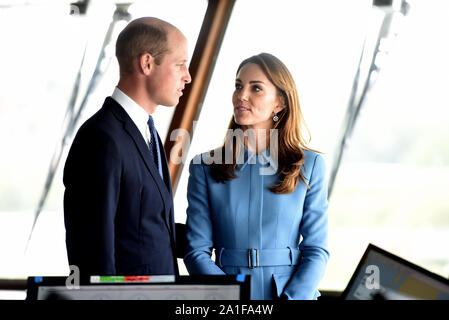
154 146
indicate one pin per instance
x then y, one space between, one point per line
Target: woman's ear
281 104
146 62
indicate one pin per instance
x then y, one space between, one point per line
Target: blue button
38 279
241 277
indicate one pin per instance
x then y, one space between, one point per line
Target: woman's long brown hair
289 126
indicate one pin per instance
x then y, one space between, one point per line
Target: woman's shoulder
310 156
202 162
203 159
313 160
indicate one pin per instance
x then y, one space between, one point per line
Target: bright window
393 182
42 49
392 185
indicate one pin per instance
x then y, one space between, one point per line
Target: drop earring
275 117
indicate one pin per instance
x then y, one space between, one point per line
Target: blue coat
278 239
118 211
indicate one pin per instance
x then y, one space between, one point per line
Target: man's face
168 79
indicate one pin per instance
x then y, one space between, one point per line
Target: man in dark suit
118 205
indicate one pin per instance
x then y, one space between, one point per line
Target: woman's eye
257 88
238 86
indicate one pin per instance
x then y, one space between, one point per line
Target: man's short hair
137 39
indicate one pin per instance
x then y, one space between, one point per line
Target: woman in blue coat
260 200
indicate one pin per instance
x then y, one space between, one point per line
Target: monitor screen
141 288
384 276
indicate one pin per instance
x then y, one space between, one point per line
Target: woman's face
255 98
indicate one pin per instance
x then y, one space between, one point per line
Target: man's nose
187 77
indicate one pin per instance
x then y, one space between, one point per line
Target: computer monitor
202 287
382 275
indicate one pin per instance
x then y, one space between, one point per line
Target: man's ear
146 63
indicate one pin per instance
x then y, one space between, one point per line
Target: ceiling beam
201 68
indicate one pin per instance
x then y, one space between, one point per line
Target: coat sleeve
199 230
314 229
92 181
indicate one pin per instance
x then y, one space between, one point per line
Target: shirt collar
137 114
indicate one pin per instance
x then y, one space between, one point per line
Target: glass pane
39 63
393 184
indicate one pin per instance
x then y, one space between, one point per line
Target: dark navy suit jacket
118 211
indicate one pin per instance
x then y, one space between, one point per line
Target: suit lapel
142 147
165 169
169 216
167 182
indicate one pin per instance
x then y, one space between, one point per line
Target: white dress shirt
137 114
